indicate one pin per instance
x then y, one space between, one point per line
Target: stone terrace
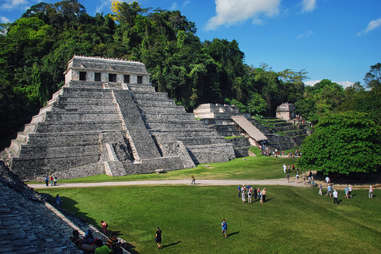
99 124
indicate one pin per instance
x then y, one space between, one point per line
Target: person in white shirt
335 197
284 168
370 191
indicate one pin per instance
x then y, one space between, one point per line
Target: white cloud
4 20
230 12
344 84
373 24
102 6
173 6
308 5
306 34
11 4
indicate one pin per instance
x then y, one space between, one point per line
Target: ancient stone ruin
267 133
285 111
107 118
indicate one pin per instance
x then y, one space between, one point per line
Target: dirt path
281 181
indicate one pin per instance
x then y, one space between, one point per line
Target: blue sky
334 39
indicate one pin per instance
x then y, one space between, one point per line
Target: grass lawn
260 167
294 220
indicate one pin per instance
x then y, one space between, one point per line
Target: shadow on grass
234 233
68 208
171 244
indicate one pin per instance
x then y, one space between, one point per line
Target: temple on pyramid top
108 119
85 68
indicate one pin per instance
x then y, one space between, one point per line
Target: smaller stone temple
285 111
108 119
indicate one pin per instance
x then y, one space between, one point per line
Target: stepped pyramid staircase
281 134
91 127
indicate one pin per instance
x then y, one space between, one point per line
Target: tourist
55 180
312 181
327 180
255 194
80 243
58 201
249 194
346 191
259 194
224 227
158 237
239 191
350 191
304 178
284 168
104 226
329 190
101 248
320 189
193 180
335 197
243 194
51 181
89 238
47 181
288 176
370 195
263 196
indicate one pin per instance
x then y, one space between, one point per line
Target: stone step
38 118
86 84
174 124
85 100
155 103
184 132
166 117
82 116
79 126
151 96
70 107
64 139
209 153
173 109
39 152
202 140
86 92
29 167
30 128
141 88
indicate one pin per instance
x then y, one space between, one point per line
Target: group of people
89 244
333 192
52 179
252 194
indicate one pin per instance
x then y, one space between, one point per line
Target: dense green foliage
343 143
294 220
35 49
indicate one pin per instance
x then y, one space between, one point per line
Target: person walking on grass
370 195
243 194
158 237
239 191
263 196
224 228
350 191
55 180
47 181
249 194
288 176
335 197
320 189
329 190
193 180
255 194
346 191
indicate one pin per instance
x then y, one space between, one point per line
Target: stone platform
99 124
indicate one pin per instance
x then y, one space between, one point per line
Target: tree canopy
343 143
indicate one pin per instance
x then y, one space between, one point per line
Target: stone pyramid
108 119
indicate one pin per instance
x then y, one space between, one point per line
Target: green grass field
260 167
294 220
